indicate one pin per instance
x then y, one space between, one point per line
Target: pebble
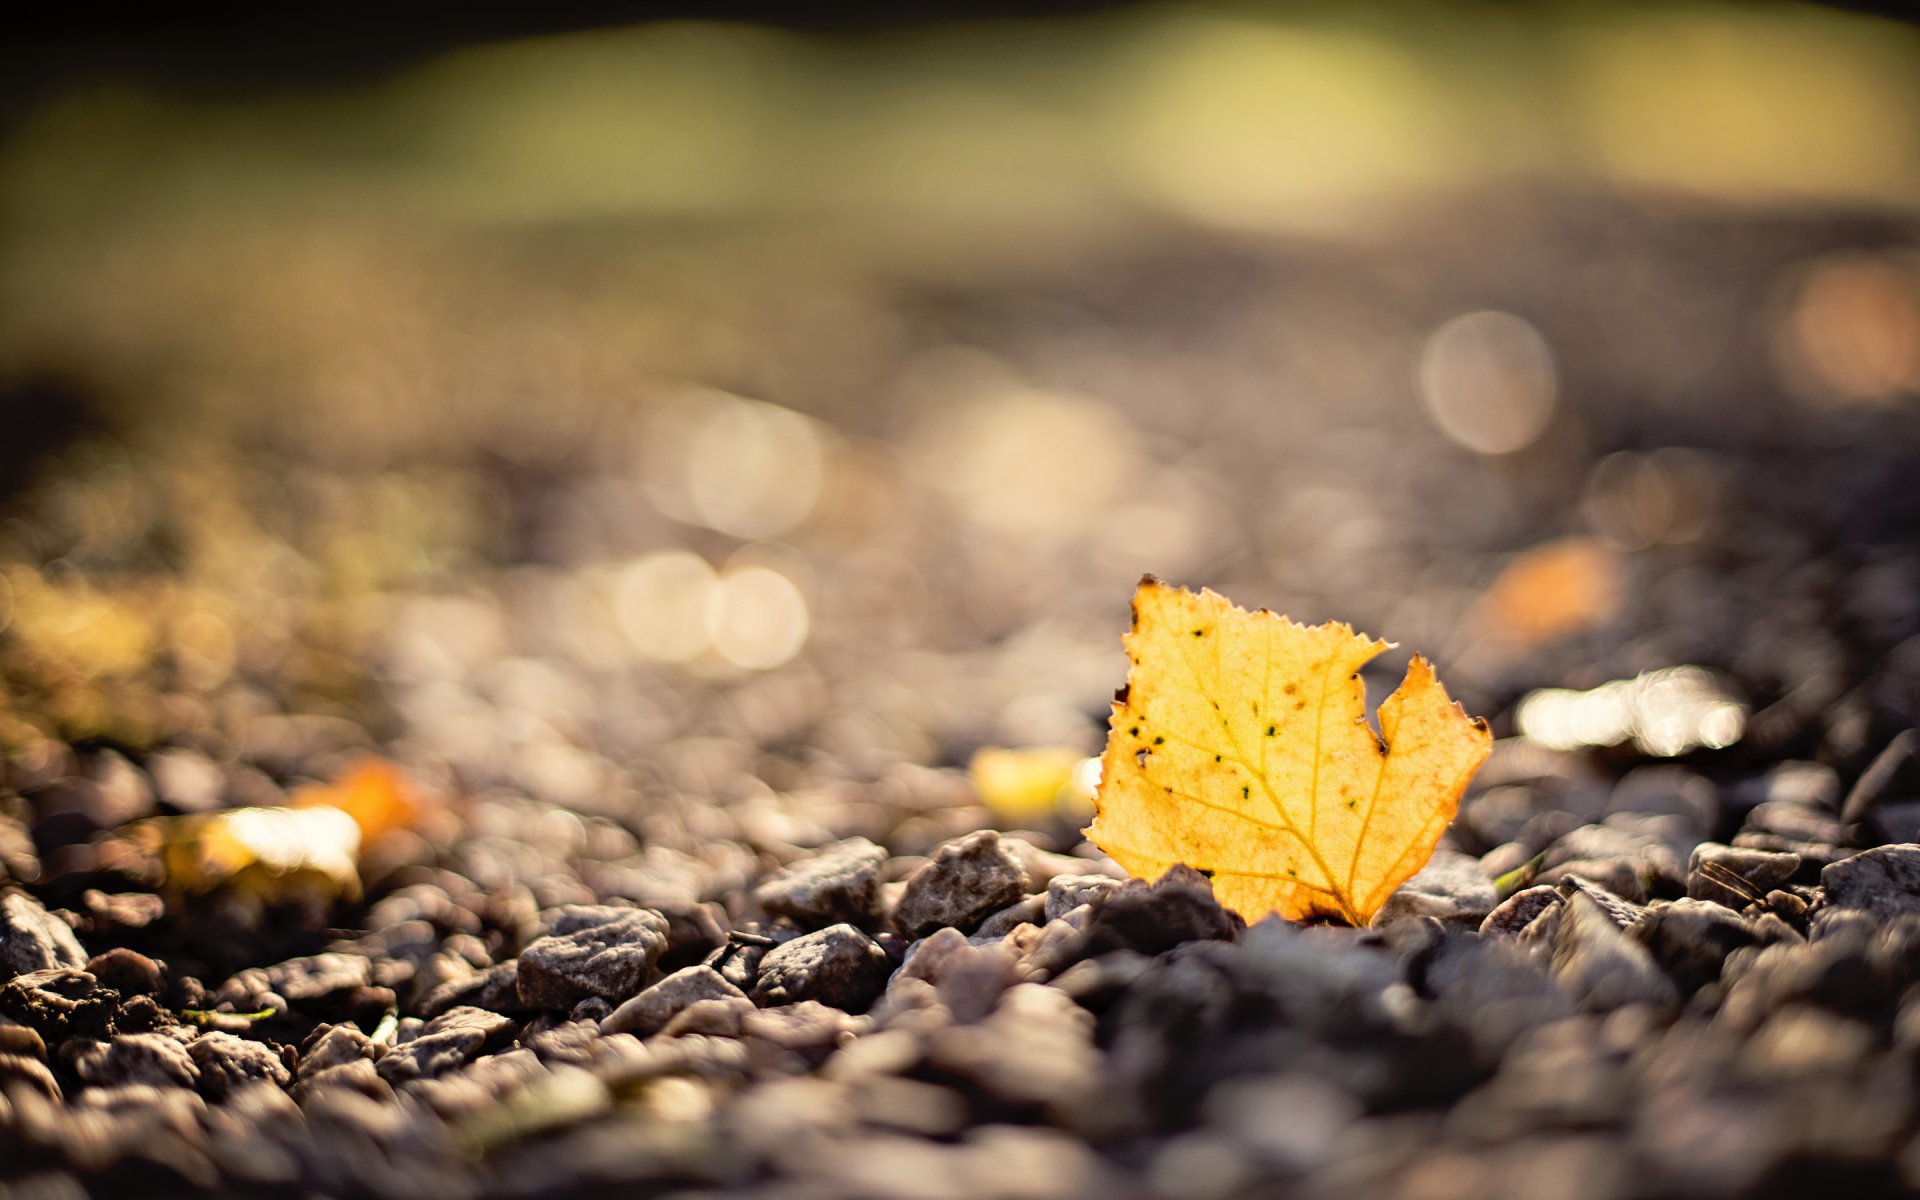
1067 892
1451 887
611 959
448 1042
839 883
1600 966
838 965
127 972
648 1012
33 939
1883 882
132 1058
1761 870
227 1063
965 880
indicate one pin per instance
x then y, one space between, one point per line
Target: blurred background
717 415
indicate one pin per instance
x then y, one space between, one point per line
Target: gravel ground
729 916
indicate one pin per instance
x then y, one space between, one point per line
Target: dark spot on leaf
1293 872
1216 758
1270 730
1246 793
1291 688
1158 740
1140 757
1134 732
1199 633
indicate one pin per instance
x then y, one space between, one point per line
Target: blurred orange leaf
1551 591
1241 748
378 795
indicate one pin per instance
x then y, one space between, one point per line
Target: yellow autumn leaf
1240 747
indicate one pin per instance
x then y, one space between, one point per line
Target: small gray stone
710 1018
1600 966
1451 887
496 988
648 1013
228 1063
1883 882
1068 892
1520 910
334 1045
611 960
839 883
33 939
1031 911
449 1041
1762 870
1691 939
839 965
965 880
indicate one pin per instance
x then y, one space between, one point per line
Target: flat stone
611 960
1883 882
496 988
228 1063
1762 871
965 880
648 1013
839 883
1451 888
33 939
838 965
333 1046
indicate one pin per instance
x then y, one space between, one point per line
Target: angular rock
1883 882
228 1063
1761 870
132 1058
1149 918
1031 911
497 988
1600 966
710 1018
60 1002
450 1041
1068 892
839 883
611 960
965 880
333 1046
648 1013
838 965
1691 939
1520 910
1451 888
33 939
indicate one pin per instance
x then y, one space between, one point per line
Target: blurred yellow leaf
1241 748
1019 785
265 855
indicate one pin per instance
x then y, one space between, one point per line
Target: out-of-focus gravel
702 899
